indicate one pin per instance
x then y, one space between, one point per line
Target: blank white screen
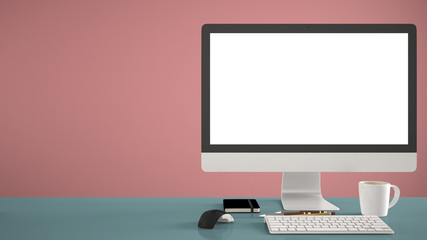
309 88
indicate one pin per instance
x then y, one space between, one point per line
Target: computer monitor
308 98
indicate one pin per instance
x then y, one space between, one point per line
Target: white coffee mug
374 197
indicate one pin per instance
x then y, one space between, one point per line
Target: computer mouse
209 218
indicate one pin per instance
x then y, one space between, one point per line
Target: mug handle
395 197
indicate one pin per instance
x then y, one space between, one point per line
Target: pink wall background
102 98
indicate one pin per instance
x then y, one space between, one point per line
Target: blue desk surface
172 218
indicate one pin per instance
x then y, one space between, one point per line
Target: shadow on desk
221 231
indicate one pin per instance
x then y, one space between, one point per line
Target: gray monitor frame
207 29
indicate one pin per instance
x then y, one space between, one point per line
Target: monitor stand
301 191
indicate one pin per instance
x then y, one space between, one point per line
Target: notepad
241 205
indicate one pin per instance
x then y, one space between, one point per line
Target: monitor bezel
207 29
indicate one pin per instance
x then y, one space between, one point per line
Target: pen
301 213
323 213
306 213
298 214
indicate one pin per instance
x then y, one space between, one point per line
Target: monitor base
301 191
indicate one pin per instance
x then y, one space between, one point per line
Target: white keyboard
326 224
